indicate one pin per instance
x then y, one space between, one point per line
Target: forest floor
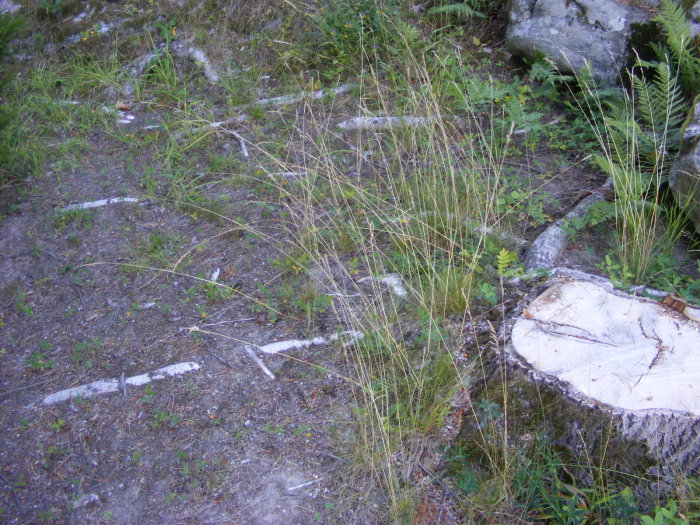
204 268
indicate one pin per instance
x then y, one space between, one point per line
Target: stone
573 32
685 172
8 6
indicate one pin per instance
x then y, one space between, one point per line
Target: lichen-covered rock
573 32
685 172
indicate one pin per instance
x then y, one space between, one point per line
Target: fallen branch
275 101
241 141
293 344
547 248
200 58
97 204
390 279
259 362
302 485
298 97
381 123
178 49
220 125
105 386
405 121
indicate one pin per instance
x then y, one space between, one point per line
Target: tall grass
414 202
635 135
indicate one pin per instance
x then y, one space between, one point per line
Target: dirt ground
84 297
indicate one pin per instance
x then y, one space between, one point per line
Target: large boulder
685 172
571 32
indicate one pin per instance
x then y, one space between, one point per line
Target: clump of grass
399 201
634 138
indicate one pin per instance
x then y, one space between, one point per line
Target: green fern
600 212
676 31
504 261
661 104
467 9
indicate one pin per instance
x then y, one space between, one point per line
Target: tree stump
613 381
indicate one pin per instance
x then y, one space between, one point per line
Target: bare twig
259 362
25 387
11 487
437 480
241 141
302 485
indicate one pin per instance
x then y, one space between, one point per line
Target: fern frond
676 30
504 260
601 211
459 10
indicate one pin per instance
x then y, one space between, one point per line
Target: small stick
437 480
295 487
11 487
240 139
259 362
25 387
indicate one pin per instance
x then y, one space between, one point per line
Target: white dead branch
293 344
275 101
259 362
200 58
382 123
302 485
390 279
404 121
299 97
98 203
178 49
105 386
222 125
547 248
241 140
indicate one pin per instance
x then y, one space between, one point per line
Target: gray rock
695 12
573 32
86 500
685 172
7 6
